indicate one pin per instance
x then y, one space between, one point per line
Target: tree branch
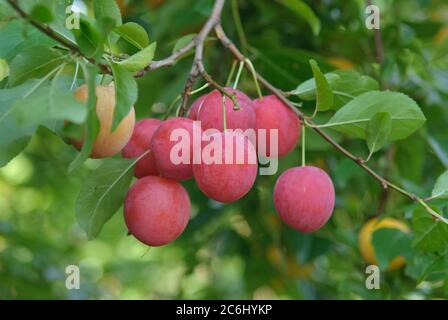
198 67
227 43
54 35
168 61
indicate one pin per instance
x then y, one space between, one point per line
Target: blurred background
242 250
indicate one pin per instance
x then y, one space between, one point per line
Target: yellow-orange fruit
365 240
341 63
107 143
441 35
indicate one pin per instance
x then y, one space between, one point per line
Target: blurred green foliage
243 250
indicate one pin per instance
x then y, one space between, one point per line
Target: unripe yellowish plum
441 36
107 143
365 240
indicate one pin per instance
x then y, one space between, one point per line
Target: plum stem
254 75
224 115
303 144
238 75
232 72
205 86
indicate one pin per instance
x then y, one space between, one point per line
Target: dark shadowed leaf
301 9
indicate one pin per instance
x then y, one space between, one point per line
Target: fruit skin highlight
365 240
272 113
304 197
227 182
157 210
211 112
161 147
139 143
107 143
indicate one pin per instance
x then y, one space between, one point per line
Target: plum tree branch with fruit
198 69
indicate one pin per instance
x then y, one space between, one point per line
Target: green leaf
378 131
410 164
92 123
307 90
104 26
324 94
183 41
139 60
88 38
13 137
134 34
431 267
354 117
430 235
14 38
33 62
302 10
107 8
440 190
389 244
346 85
350 85
11 35
48 103
4 69
41 13
126 93
103 194
203 7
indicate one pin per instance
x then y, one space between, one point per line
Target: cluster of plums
157 208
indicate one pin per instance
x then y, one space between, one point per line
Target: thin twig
168 61
198 67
